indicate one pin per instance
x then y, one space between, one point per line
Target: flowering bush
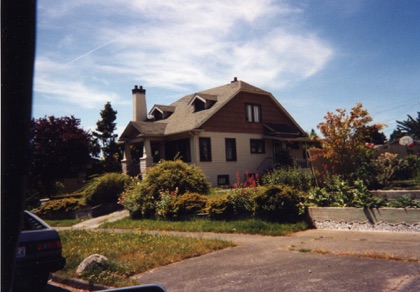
251 180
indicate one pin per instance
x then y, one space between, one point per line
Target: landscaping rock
94 260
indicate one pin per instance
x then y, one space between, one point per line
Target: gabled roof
184 119
204 98
162 108
139 129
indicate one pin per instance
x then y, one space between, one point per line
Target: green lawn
251 226
63 222
129 253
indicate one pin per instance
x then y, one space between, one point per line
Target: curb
76 283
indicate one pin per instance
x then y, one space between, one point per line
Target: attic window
158 115
199 105
203 101
161 112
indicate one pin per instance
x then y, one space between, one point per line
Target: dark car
38 253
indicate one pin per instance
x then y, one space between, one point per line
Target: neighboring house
228 129
395 147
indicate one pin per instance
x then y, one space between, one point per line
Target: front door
281 154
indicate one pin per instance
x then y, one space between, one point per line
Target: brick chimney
139 104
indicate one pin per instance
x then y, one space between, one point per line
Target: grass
129 253
371 255
63 222
251 226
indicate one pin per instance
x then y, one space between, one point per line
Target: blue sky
314 56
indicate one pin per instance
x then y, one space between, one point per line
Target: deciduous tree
344 136
60 148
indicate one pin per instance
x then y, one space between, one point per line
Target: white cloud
171 44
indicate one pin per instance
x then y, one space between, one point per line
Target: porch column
147 159
127 162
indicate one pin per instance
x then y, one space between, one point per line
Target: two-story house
224 130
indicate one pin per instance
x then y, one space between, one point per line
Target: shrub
173 206
220 208
408 168
169 177
293 176
363 198
242 201
189 204
105 188
322 198
277 203
59 209
405 201
339 193
235 204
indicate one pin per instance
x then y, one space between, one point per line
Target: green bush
405 201
235 204
173 206
278 203
105 188
182 206
168 177
408 168
220 208
58 209
293 176
321 197
338 193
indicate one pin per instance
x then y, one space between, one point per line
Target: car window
30 223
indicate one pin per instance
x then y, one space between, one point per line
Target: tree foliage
345 135
105 127
410 126
61 148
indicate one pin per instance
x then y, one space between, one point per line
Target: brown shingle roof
184 119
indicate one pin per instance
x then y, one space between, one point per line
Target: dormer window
199 105
203 101
161 112
157 115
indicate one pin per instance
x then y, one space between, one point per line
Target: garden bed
381 219
395 194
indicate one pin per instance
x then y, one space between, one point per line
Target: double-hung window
205 149
257 146
230 145
253 113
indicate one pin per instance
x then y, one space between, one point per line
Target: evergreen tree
106 139
411 126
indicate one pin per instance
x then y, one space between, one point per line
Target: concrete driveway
313 260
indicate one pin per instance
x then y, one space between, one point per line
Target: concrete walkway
96 222
313 260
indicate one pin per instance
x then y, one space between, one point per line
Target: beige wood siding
245 160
